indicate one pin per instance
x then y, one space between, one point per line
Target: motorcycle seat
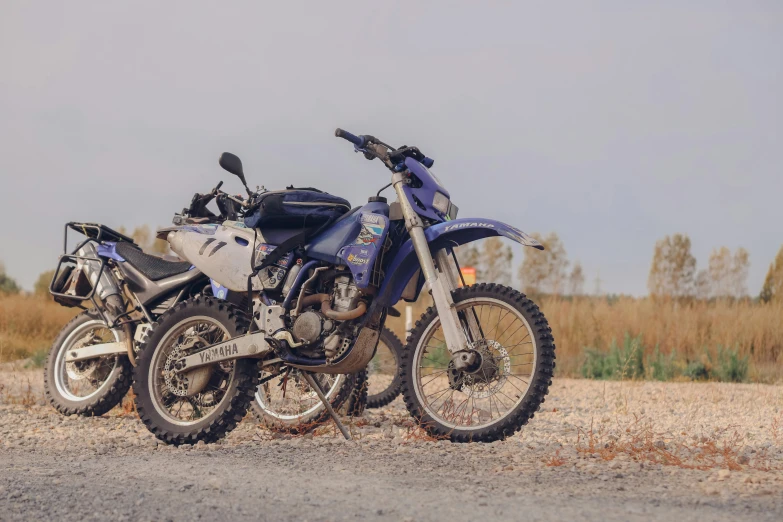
153 267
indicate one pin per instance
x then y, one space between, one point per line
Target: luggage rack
69 262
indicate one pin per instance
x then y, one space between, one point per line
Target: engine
327 323
309 326
345 295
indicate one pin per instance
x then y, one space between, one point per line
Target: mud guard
443 235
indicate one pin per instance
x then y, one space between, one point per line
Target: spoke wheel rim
103 365
273 409
462 412
200 402
378 369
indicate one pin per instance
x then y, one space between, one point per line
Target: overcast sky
611 123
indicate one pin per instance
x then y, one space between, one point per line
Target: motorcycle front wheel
513 363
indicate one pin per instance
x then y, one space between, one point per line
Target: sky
612 123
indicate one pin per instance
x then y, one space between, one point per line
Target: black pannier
295 208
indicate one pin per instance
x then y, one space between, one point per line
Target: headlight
453 211
441 203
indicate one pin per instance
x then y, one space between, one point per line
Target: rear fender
443 235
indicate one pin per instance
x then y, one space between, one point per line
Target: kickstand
317 387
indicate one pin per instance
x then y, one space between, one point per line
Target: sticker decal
361 253
373 219
220 245
264 250
357 260
208 229
205 245
368 236
475 224
373 227
218 290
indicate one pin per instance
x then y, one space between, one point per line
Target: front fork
441 280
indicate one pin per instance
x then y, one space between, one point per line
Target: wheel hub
78 370
81 369
176 382
488 365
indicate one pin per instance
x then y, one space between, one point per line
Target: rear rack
93 232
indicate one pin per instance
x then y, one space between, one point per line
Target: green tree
728 274
576 280
545 271
42 284
673 268
7 285
491 258
773 283
145 238
496 261
470 256
701 285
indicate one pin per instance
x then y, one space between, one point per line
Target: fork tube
447 267
439 286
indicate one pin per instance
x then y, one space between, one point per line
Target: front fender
443 235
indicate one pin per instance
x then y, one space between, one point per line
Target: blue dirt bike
318 278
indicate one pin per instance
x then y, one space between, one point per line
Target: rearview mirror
233 164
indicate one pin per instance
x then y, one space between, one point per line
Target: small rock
724 474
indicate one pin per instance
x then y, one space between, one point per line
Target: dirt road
656 451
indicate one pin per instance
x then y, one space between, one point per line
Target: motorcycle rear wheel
169 411
91 387
384 371
287 403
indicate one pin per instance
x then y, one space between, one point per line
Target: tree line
673 273
541 272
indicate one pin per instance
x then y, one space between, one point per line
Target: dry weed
639 440
554 461
29 324
683 328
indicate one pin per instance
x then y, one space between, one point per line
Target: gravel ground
596 451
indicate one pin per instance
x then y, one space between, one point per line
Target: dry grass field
690 331
29 324
686 332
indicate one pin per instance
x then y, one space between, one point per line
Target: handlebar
359 141
373 147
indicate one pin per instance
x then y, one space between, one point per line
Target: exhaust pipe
108 291
326 307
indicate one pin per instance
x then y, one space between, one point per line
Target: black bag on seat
295 208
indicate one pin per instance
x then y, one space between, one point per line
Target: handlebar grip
218 186
428 162
356 140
